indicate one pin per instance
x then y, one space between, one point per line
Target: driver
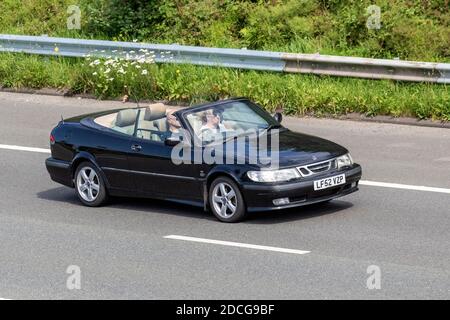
172 122
173 125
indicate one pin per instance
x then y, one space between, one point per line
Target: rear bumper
260 197
60 171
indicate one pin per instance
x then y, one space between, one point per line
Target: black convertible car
230 157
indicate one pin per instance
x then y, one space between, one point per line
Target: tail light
52 139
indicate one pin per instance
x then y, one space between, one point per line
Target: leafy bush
413 29
125 19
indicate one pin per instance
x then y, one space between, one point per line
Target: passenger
211 124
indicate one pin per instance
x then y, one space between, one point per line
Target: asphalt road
122 251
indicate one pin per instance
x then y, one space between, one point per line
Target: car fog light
353 184
281 201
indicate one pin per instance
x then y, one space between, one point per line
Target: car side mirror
278 117
172 141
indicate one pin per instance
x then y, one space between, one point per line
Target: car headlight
273 175
344 161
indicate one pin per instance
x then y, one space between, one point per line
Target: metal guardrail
236 58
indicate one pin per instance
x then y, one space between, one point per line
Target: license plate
329 182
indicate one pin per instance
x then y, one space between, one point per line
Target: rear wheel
89 185
226 200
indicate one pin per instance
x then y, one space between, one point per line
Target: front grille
318 167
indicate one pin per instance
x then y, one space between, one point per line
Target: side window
123 121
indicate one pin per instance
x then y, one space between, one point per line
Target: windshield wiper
273 126
270 127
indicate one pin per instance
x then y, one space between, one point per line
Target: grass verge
296 94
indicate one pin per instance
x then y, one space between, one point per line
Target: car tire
90 185
226 201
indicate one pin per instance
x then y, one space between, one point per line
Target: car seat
151 119
125 121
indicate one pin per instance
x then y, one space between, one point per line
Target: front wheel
226 200
89 185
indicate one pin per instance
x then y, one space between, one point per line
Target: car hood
300 148
293 149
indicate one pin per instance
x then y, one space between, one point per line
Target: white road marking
362 182
19 148
403 186
236 244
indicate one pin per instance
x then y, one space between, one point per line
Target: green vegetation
298 95
410 30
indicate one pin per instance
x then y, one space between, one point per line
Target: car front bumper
259 197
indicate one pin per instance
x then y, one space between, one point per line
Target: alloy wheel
88 184
224 200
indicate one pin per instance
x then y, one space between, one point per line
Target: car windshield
229 120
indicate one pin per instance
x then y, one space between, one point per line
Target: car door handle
136 147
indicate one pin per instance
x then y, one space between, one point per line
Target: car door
111 148
155 173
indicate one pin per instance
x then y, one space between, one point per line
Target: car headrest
126 118
155 111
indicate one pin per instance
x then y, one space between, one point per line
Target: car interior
246 120
195 120
151 123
